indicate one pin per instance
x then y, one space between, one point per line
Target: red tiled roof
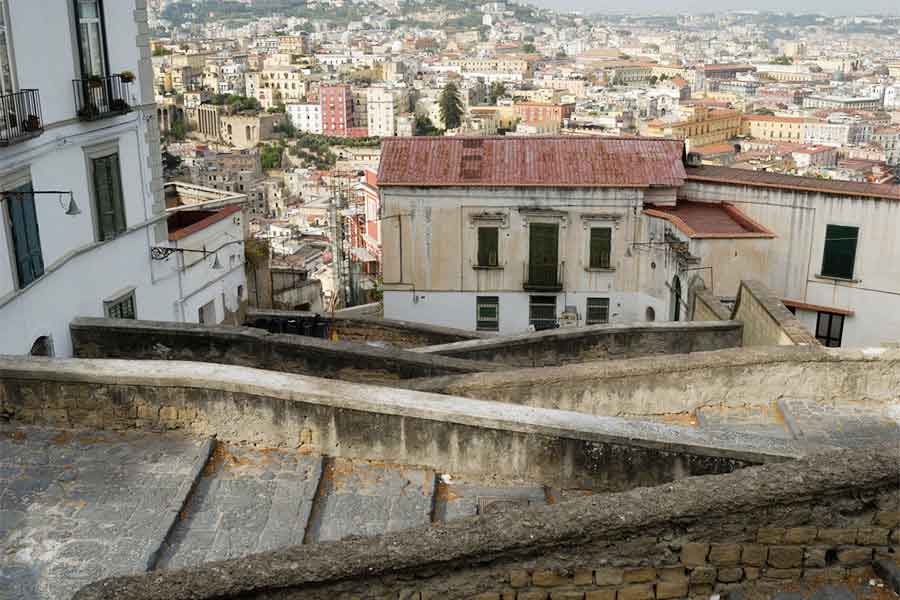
709 220
792 182
531 162
200 225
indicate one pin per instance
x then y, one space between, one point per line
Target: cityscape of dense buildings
632 249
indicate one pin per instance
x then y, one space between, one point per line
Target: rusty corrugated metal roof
531 162
792 182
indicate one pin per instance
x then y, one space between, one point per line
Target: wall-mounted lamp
70 207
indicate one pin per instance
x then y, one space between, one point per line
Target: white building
80 168
384 106
305 117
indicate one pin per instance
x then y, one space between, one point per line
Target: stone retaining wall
666 387
595 342
768 322
277 410
820 518
247 346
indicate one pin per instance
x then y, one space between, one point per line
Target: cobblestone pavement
246 501
79 506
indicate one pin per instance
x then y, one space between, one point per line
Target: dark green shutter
108 188
543 253
487 246
26 236
840 251
601 238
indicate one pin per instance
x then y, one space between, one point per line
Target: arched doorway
676 298
43 346
651 314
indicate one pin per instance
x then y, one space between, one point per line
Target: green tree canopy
498 90
451 106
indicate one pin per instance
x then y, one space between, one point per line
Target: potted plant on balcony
126 76
89 111
118 105
31 123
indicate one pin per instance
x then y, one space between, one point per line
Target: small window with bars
542 312
601 247
597 311
488 246
122 307
487 313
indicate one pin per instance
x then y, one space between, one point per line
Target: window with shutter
601 246
487 313
597 311
122 307
488 242
839 254
108 192
26 238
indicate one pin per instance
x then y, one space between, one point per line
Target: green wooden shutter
601 238
108 189
543 253
26 236
487 246
840 251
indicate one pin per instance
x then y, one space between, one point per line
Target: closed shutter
543 253
487 246
108 188
600 247
26 237
840 251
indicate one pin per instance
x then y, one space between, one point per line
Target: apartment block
337 109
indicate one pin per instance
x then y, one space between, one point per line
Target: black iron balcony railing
101 97
544 277
20 116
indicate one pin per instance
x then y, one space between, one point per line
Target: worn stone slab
456 499
362 498
77 506
852 423
247 501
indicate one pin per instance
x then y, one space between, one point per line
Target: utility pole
337 231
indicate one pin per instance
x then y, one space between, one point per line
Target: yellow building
704 126
773 128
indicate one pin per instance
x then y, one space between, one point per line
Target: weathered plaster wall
111 338
825 517
767 322
680 384
563 346
335 418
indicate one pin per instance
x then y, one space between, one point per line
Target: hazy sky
836 7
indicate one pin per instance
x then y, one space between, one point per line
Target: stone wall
675 386
246 346
335 418
365 329
826 517
767 322
706 307
595 342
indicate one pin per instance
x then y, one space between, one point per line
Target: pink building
337 109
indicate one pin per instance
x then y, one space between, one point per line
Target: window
601 245
830 329
840 251
121 308
487 313
542 312
91 44
488 240
7 73
108 195
597 311
24 234
206 315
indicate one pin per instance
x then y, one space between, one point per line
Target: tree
529 48
178 130
451 106
782 60
424 126
270 156
653 79
498 90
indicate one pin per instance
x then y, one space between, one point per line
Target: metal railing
543 277
20 116
101 97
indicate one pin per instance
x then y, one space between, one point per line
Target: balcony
543 277
20 117
101 97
